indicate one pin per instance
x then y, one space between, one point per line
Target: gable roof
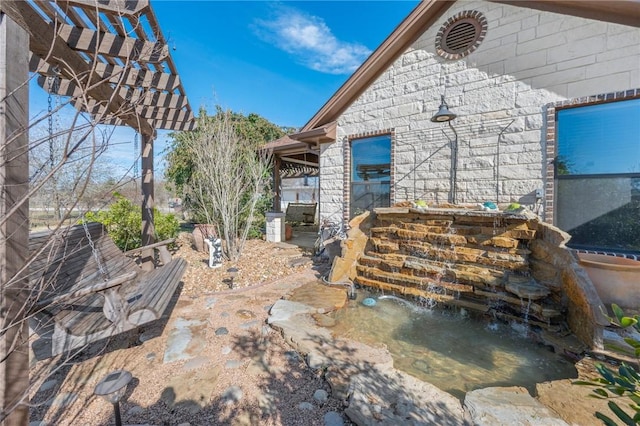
425 14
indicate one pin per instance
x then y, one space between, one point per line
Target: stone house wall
528 59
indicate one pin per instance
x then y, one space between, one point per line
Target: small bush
123 221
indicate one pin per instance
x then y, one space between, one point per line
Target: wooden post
276 185
14 229
148 228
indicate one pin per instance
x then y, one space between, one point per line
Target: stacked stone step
476 260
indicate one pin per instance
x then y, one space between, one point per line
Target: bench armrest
150 246
88 290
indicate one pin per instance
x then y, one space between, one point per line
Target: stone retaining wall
512 266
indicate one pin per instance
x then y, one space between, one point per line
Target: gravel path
232 370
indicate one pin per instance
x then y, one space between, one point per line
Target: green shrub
622 384
123 221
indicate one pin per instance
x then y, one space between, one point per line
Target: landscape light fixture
443 115
112 388
233 273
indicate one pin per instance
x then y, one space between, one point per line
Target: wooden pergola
110 59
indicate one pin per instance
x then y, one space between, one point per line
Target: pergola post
14 228
277 185
148 227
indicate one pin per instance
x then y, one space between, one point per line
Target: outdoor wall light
443 115
233 273
112 388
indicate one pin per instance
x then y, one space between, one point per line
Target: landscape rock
376 394
509 405
333 418
305 406
321 396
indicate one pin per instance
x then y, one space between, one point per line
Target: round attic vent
461 34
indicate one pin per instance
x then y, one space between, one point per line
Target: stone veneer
529 62
509 265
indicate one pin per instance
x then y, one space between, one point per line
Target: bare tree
102 71
230 176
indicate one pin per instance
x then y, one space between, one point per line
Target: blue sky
281 60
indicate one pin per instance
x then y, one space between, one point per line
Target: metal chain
50 118
136 144
93 249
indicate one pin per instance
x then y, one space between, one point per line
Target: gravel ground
247 376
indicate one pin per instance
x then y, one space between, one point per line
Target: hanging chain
53 83
136 145
93 249
50 118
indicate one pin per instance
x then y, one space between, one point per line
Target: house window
597 170
370 174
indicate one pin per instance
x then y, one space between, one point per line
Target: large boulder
201 233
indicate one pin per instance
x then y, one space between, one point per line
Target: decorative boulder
200 233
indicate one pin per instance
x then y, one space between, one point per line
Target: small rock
224 314
136 409
226 350
38 423
185 424
321 396
49 384
333 418
266 330
292 356
245 314
233 394
151 356
232 363
147 335
305 406
221 331
210 301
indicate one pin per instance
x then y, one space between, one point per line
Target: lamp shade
443 115
113 386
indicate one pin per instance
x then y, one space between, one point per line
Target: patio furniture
301 212
84 286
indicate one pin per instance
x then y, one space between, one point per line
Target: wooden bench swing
88 289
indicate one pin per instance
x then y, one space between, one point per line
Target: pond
450 349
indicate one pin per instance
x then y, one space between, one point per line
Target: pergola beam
137 97
44 42
133 77
90 41
120 7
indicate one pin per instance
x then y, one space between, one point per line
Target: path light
112 388
233 273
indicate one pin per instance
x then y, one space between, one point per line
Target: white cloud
311 41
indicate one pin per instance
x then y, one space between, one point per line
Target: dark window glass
598 176
370 173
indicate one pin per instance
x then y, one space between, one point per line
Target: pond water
448 349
